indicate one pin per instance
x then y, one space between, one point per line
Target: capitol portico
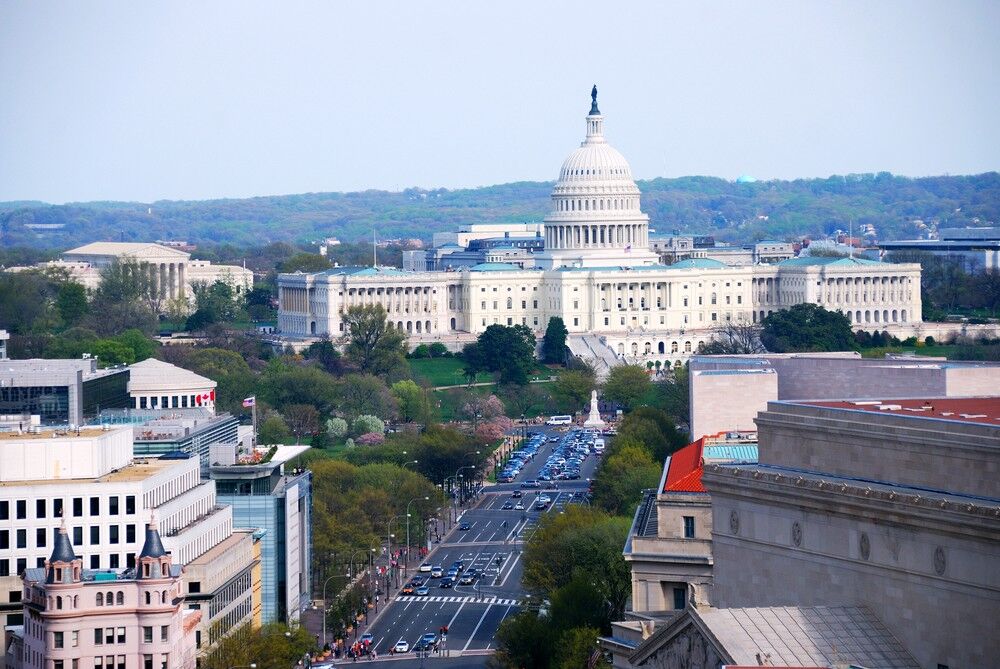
598 274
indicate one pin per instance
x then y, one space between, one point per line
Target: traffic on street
455 599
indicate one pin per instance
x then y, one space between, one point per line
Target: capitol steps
590 348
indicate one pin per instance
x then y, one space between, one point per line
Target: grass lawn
441 371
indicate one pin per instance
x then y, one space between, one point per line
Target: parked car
517 494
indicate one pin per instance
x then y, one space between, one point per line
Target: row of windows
20 564
597 205
42 507
41 535
170 402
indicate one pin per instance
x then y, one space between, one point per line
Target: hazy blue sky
151 100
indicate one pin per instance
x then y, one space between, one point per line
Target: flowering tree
483 408
371 439
336 427
367 423
493 430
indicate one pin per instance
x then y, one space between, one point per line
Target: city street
492 545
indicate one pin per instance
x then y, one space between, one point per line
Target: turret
63 566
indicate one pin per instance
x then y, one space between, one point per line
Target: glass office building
61 392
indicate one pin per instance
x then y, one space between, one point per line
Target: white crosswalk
472 600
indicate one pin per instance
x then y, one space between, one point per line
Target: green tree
525 640
554 343
274 430
305 262
623 476
366 423
142 346
71 302
411 401
121 301
438 350
807 327
113 352
577 648
215 303
230 371
302 419
373 345
284 382
326 354
505 350
359 394
626 385
673 395
336 428
26 302
72 343
572 389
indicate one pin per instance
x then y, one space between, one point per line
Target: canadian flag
205 398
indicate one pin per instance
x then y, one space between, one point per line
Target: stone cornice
941 512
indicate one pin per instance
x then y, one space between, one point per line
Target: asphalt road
492 545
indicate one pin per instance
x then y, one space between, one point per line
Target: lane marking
511 570
473 635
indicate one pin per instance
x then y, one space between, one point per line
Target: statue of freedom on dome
593 101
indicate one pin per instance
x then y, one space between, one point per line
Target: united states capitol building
597 272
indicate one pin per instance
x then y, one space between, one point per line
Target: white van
598 445
559 420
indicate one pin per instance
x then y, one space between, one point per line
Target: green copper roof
698 263
805 261
358 270
494 267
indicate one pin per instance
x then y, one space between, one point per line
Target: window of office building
113 534
129 533
5 510
95 506
39 508
680 598
147 634
57 508
113 505
4 539
22 509
77 536
57 639
95 561
130 504
40 537
164 632
147 662
77 507
95 535
689 527
22 538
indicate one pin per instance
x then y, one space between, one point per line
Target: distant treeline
734 212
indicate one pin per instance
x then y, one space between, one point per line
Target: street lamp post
406 561
324 611
458 475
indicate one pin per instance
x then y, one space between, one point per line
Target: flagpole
253 439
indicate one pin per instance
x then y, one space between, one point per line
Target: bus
559 420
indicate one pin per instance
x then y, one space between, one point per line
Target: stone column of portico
182 280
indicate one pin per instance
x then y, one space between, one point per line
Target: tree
577 648
273 430
302 419
421 351
412 402
626 385
673 395
554 343
525 640
734 338
506 350
481 407
807 327
113 352
623 476
305 262
373 345
572 389
364 394
523 400
215 303
230 371
71 302
26 302
326 354
283 382
366 424
121 301
438 350
336 428
142 346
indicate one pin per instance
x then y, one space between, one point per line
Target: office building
61 392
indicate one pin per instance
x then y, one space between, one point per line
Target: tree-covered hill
735 212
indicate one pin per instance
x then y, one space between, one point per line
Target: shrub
349 443
929 340
421 351
438 350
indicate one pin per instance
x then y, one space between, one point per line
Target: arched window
510 303
687 347
661 347
120 598
100 599
58 601
148 599
673 347
713 298
109 598
163 597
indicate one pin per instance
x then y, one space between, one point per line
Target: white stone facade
598 274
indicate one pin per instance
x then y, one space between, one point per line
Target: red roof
982 410
685 468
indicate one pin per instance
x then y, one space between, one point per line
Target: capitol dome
595 216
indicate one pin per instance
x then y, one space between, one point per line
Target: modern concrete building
154 384
891 505
749 382
118 619
60 392
598 274
976 249
276 499
91 480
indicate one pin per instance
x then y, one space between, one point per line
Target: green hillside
736 212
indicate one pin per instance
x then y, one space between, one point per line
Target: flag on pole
628 248
250 401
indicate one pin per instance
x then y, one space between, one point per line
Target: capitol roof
698 263
803 261
494 267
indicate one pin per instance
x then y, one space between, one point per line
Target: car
467 579
452 573
517 494
464 527
519 507
447 582
425 567
458 564
416 581
437 571
367 637
428 641
422 591
540 506
408 589
530 483
402 646
545 499
507 506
